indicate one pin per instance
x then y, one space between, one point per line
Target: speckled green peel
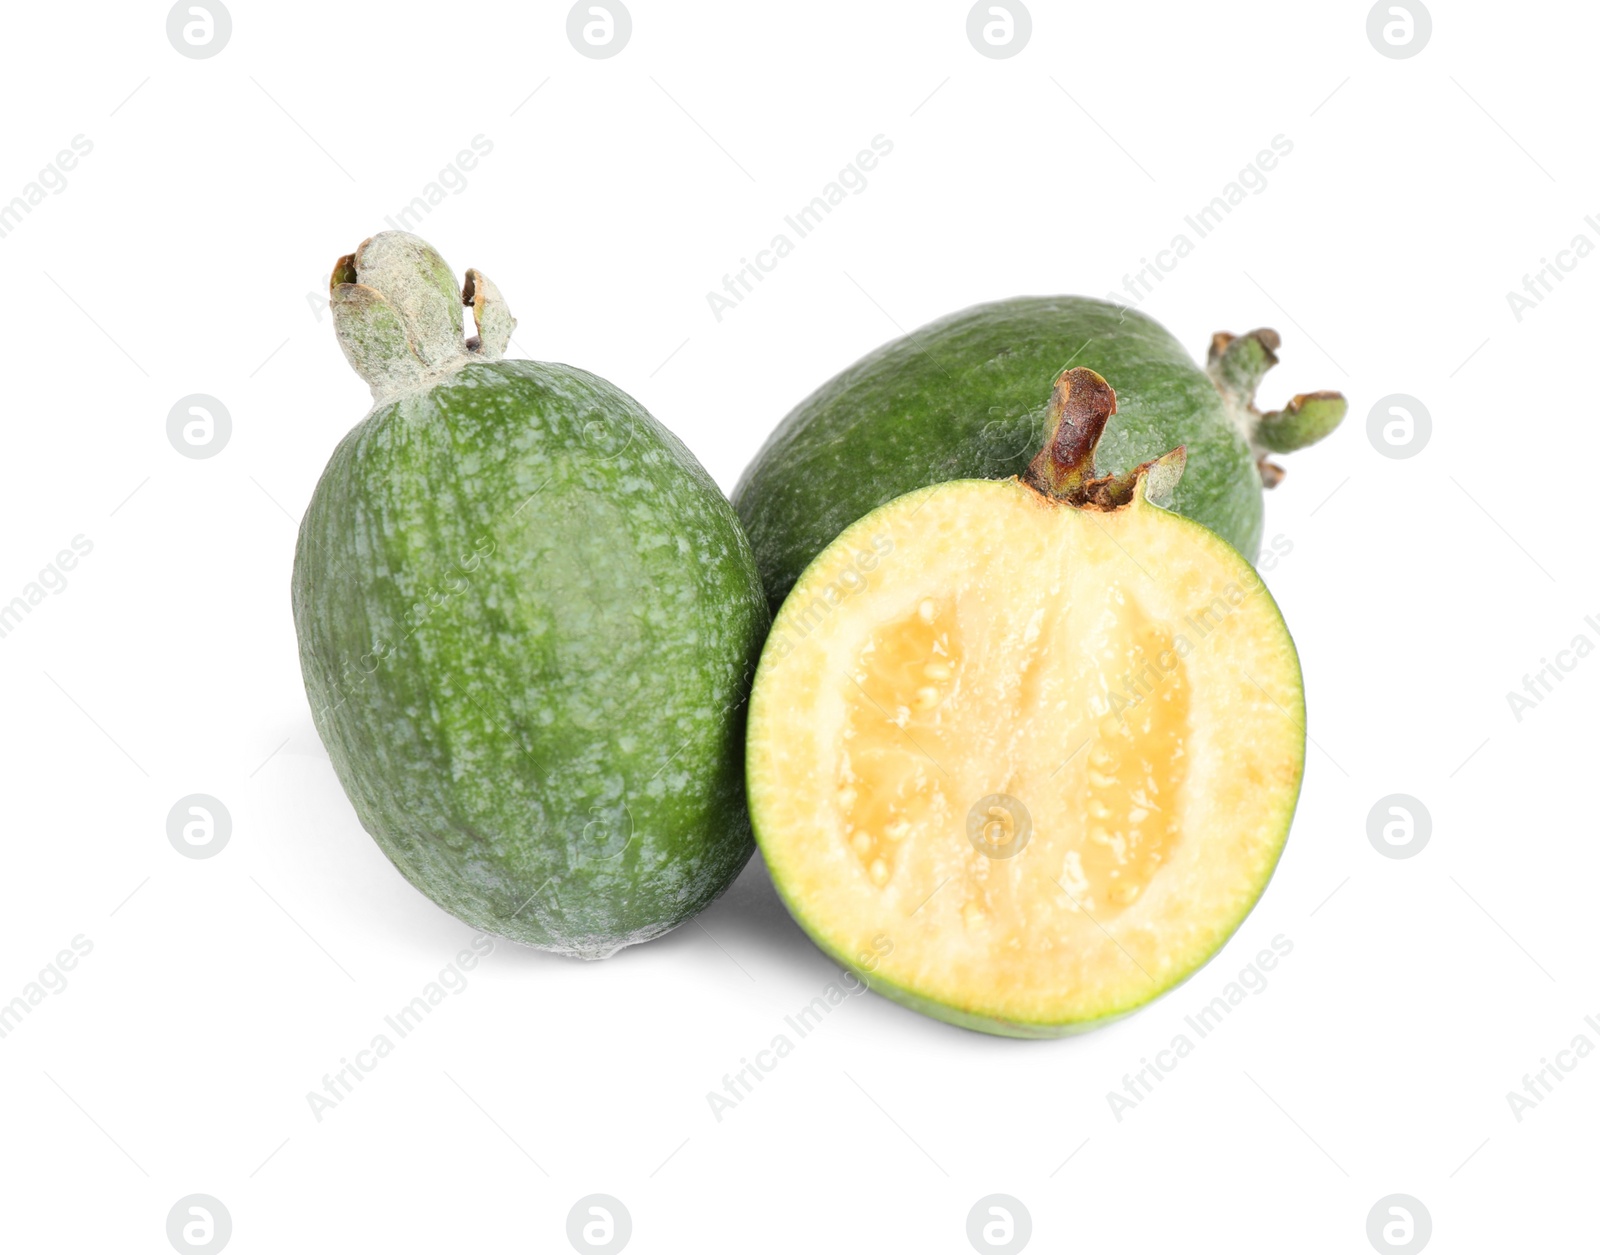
528 621
963 398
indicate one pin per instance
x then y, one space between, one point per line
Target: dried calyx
1080 405
397 313
1236 365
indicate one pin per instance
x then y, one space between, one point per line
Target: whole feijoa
961 399
528 621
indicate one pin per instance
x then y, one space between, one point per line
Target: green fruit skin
965 398
528 622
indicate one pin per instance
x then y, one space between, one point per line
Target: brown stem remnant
1080 406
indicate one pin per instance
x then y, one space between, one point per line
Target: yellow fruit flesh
908 757
1107 703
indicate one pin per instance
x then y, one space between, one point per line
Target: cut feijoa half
1026 752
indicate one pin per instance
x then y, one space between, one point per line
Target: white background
178 259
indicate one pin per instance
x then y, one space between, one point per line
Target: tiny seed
897 831
861 842
972 915
879 871
1100 780
927 698
936 671
927 610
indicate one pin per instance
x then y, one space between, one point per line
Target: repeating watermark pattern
1399 1224
1542 282
737 1086
199 28
850 181
198 826
1398 826
999 28
50 181
609 435
199 426
607 835
51 581
998 826
52 979
1542 683
999 1223
1399 28
1398 426
199 1225
1137 1086
1252 180
1539 1085
339 1084
450 181
1278 548
599 28
827 599
599 1224
318 295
